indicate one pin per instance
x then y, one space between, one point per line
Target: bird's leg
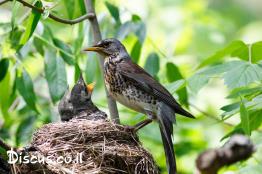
142 124
139 125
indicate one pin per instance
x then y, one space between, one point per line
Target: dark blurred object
78 103
237 148
4 166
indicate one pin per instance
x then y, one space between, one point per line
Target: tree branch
237 148
3 2
58 19
97 37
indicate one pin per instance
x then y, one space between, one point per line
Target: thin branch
58 19
73 21
208 115
97 37
3 2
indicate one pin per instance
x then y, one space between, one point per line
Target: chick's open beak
90 87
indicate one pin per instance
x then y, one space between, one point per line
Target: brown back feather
147 83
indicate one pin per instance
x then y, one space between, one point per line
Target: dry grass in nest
106 148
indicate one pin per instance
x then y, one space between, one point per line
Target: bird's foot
130 129
138 126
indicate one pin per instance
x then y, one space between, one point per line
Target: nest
97 147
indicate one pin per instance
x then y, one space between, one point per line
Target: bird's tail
166 118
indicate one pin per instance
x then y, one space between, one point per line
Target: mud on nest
106 148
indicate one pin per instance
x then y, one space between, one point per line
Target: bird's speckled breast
125 91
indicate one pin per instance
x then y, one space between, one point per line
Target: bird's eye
106 44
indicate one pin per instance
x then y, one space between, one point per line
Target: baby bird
78 104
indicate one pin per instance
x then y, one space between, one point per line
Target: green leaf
77 72
25 127
241 52
230 107
4 64
176 86
256 103
244 116
218 56
113 11
39 46
244 91
230 110
55 74
50 45
92 68
25 87
173 74
136 51
81 5
135 18
201 78
124 30
140 31
256 52
255 119
138 28
70 8
78 42
197 81
5 93
243 75
237 130
15 9
31 23
15 35
152 64
66 48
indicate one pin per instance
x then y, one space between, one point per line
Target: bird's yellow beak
94 48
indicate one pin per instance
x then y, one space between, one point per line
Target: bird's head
81 94
108 47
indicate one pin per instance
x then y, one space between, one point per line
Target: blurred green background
206 52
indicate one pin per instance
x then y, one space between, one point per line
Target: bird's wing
147 83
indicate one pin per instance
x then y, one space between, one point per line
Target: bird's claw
130 129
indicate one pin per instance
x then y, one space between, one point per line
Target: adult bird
133 87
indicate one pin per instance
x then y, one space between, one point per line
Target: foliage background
208 53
